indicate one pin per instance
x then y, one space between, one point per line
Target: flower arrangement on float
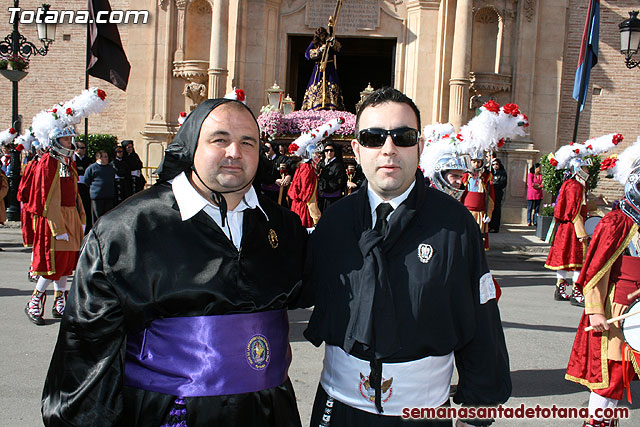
274 124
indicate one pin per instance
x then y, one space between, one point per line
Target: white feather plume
7 137
311 138
441 144
594 146
622 169
70 113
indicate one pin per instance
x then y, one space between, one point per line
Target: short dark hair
387 94
99 153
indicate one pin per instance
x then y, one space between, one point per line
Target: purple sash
333 195
271 187
210 355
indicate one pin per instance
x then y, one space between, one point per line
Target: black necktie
382 212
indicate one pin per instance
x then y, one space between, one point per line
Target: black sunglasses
329 150
401 137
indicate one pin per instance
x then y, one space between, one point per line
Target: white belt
422 383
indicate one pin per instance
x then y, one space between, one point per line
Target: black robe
141 262
427 309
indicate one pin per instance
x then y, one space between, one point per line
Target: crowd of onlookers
103 184
336 177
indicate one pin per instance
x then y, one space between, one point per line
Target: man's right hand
599 322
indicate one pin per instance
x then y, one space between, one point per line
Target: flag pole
86 81
582 83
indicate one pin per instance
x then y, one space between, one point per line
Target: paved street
539 334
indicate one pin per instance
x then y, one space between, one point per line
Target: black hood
178 157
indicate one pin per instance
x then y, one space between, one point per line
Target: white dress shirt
375 200
190 202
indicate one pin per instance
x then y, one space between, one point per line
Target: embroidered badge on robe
369 393
425 252
273 238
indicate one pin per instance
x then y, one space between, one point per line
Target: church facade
450 56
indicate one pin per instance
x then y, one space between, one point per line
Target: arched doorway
363 61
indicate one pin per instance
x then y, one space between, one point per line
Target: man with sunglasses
332 179
407 292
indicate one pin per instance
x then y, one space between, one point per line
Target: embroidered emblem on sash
258 352
369 393
425 252
273 238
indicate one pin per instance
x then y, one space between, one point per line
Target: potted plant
18 63
545 218
14 67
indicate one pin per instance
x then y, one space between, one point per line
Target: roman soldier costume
601 360
569 241
303 191
59 217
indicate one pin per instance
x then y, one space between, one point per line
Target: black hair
317 39
387 94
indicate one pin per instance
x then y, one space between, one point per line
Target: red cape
566 251
610 238
302 189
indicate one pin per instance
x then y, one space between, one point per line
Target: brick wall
60 75
616 108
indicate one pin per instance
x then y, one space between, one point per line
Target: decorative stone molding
485 85
163 4
182 4
490 82
193 71
423 4
196 92
529 9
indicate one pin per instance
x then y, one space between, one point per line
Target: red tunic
611 236
24 192
303 193
57 208
567 252
477 202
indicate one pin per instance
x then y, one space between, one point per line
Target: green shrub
552 178
99 141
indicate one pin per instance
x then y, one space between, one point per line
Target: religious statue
323 91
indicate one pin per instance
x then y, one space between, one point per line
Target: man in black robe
175 314
332 179
274 173
398 302
134 164
83 161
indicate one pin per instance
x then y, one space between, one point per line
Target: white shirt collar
327 162
375 200
190 202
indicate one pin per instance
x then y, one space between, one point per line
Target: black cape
428 309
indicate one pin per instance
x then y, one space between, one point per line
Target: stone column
420 63
218 52
460 64
179 53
